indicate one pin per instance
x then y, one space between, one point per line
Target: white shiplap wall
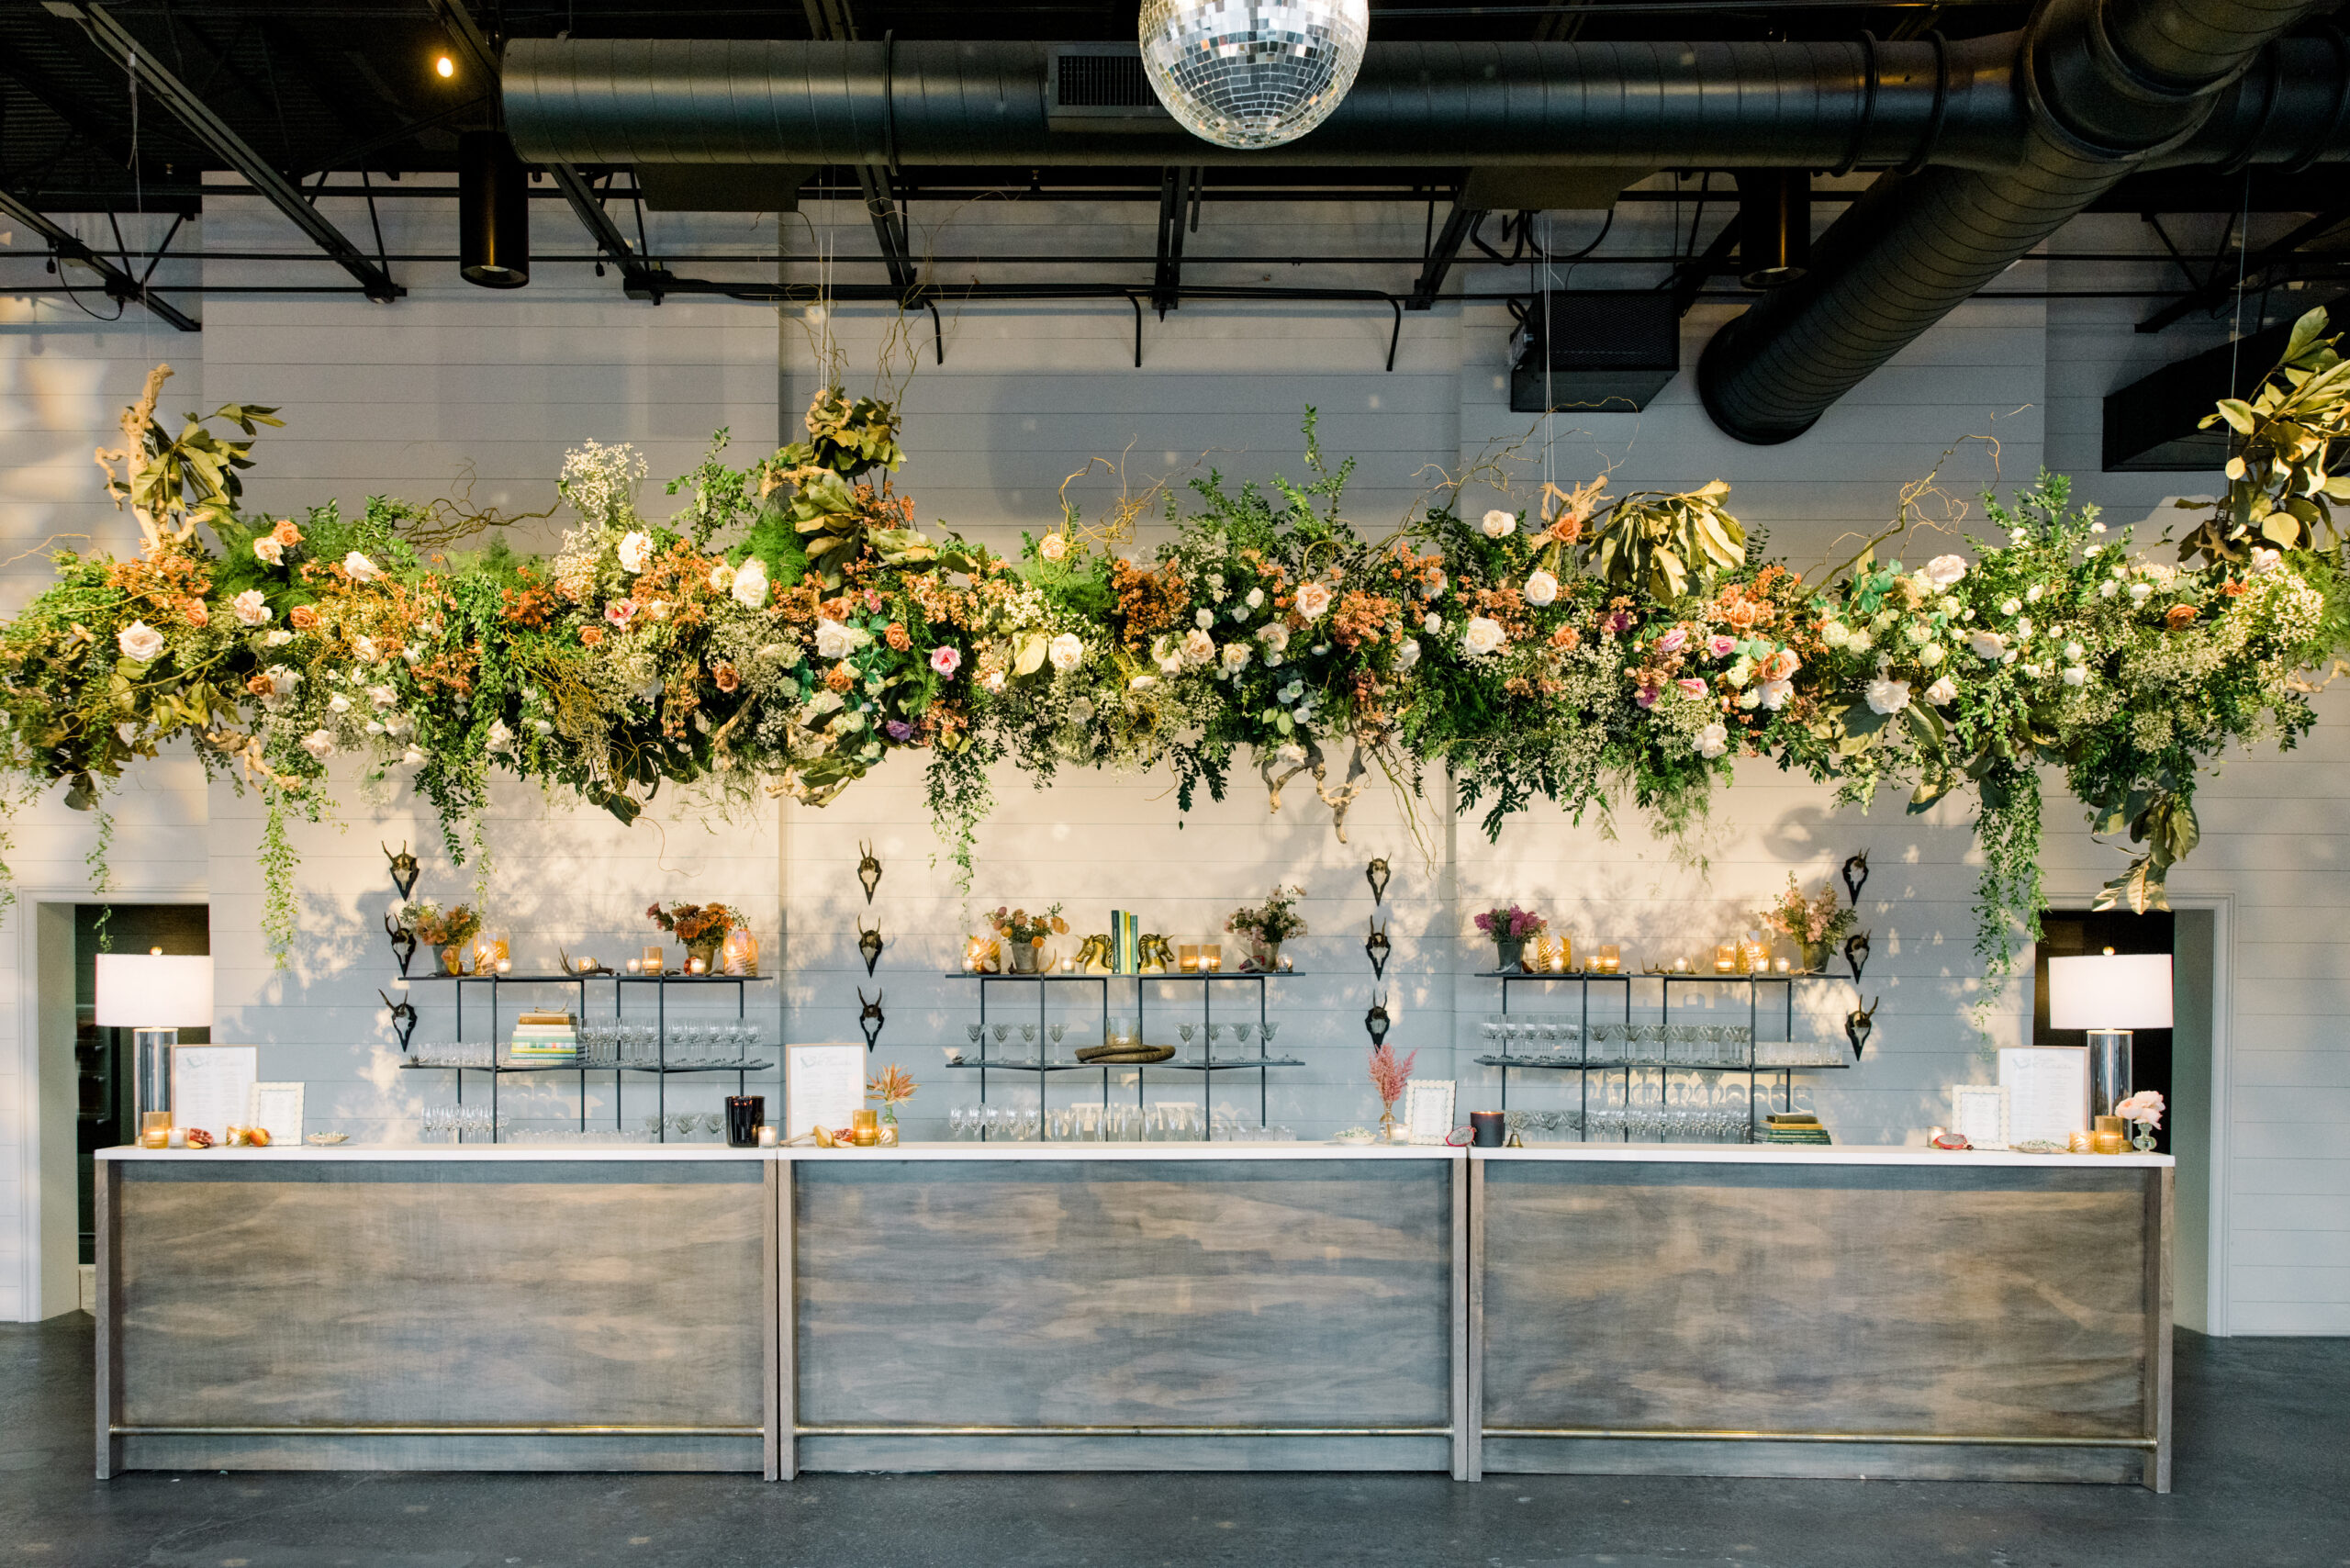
402 398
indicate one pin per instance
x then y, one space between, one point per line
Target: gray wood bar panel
2020 1310
1302 1309
462 1314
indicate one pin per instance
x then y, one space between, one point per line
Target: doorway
2176 1061
86 1080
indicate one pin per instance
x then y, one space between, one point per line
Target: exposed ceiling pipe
2102 83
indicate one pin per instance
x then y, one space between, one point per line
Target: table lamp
2110 994
152 996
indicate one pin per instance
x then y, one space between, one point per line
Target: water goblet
1058 1032
1186 1031
1490 1028
1216 1033
1028 1037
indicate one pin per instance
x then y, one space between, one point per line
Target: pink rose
1691 685
946 660
621 611
1671 642
1646 696
1721 648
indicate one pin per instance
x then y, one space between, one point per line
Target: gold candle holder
2108 1137
865 1127
1212 956
1725 959
656 957
1187 955
154 1129
1611 958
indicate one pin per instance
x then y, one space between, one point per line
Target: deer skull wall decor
1377 1021
1376 874
403 1018
1859 1023
868 942
403 942
868 869
871 1019
1856 953
405 870
1376 947
1856 876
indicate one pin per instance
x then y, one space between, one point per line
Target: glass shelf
557 979
1004 1064
674 978
1558 1064
1670 976
503 1067
1170 975
1197 1064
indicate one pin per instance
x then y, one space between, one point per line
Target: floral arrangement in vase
1510 929
1023 933
1813 925
2144 1111
445 931
1390 1075
700 927
893 1087
1269 925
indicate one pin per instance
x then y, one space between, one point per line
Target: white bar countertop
1611 1153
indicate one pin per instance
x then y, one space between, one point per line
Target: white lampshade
151 990
2109 990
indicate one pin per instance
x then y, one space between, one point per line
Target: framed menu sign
2048 1092
212 1086
1428 1110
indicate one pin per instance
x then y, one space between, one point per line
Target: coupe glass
1057 1031
1028 1039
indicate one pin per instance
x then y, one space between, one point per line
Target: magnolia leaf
1929 792
2306 331
2238 413
2283 528
1031 656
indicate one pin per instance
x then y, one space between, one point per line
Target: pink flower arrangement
1389 1075
1511 924
2146 1105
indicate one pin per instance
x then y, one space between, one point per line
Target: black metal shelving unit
661 1070
1585 1064
1206 1065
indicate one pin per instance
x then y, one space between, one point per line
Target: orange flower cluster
533 606
1362 618
1148 602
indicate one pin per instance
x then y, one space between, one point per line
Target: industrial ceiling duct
493 211
2103 84
1774 226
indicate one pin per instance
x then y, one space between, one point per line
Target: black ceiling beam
1688 279
113 42
119 284
2211 293
1442 254
102 130
837 19
1177 201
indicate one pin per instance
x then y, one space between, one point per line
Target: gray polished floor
2263 1468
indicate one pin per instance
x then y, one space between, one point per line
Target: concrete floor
2263 1474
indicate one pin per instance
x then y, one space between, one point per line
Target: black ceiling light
1774 226
493 211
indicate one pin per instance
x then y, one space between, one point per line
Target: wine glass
1003 1033
976 1031
1240 1033
1216 1033
1028 1037
1187 1031
1057 1032
1267 1031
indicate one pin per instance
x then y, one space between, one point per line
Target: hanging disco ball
1252 74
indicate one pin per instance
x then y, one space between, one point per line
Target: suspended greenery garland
792 627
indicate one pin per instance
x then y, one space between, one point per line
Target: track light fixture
1774 226
445 68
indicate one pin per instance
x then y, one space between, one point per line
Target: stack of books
1794 1126
544 1037
1125 942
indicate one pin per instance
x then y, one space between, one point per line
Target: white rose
1255 599
2023 631
542 728
248 608
413 757
1142 683
2264 561
1203 617
361 568
1941 693
1275 637
1500 524
382 696
338 703
283 679
2031 672
1198 647
1235 658
2076 675
501 739
1773 694
1053 546
2141 592
1889 696
318 744
1432 623
1542 588
1409 655
2072 651
1931 655
1713 740
366 650
139 641
1484 636
1944 570
721 577
1067 652
750 589
2108 588
279 638
1313 600
1986 644
268 550
834 641
2011 605
636 548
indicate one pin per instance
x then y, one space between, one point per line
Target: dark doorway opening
102 1056
2074 931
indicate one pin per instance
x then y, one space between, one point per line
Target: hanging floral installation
790 628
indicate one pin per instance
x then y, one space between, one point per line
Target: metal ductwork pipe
2104 85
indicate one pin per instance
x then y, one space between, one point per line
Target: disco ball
1252 72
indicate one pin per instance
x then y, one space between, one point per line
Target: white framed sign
211 1086
1979 1111
821 1086
1428 1110
277 1109
2048 1092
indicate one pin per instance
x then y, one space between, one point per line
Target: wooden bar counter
1682 1309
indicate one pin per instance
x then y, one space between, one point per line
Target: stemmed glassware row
689 1044
1539 1036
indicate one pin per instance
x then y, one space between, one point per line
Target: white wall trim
2223 908
31 1308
